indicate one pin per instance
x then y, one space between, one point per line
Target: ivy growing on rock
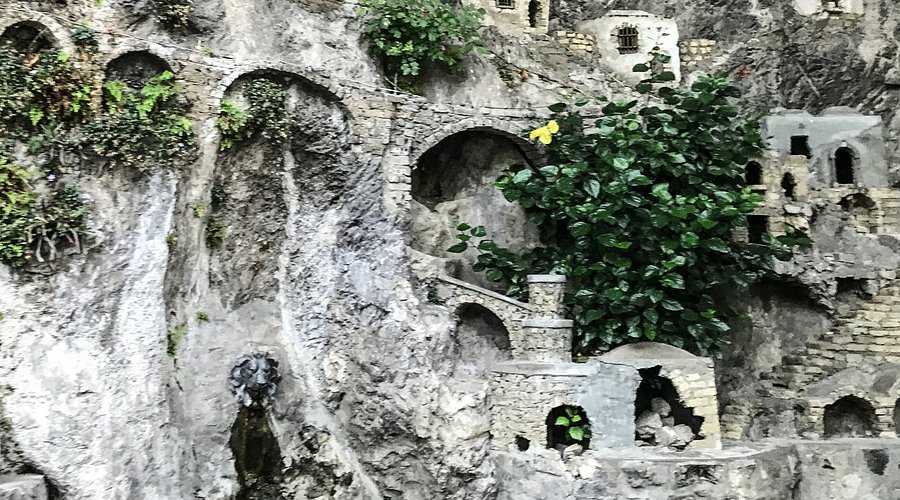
265 117
37 224
47 121
406 34
141 128
638 207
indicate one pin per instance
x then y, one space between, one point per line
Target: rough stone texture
374 404
23 487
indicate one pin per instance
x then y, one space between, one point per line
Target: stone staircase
869 334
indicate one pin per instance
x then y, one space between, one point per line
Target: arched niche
861 211
789 186
481 339
850 416
136 68
453 181
28 37
660 414
559 422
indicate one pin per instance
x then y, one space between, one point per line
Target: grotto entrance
452 182
661 419
850 416
481 338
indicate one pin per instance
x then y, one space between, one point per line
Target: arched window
534 10
850 416
628 40
843 165
568 425
753 173
787 185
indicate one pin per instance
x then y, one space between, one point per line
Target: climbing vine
266 115
638 207
406 34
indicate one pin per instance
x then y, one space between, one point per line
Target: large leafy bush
407 33
638 207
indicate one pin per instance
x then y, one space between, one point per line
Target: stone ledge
547 323
546 278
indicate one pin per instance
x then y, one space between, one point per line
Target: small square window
506 4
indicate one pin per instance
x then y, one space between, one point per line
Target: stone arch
136 67
56 33
506 128
453 182
301 75
850 416
659 405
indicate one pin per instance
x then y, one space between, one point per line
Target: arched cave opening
568 425
481 338
136 68
453 182
28 37
850 416
661 419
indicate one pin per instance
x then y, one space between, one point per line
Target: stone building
626 38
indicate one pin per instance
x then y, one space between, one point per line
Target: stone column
543 339
545 293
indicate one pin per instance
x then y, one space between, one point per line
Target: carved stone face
254 378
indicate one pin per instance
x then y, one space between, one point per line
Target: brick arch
506 128
59 36
317 81
167 55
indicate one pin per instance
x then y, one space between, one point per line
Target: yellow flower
545 133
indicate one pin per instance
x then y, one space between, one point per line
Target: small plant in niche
408 33
141 127
570 426
202 317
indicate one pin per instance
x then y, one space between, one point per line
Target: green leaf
463 227
458 248
478 232
576 433
522 176
558 107
563 421
592 187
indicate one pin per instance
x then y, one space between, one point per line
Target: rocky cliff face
315 264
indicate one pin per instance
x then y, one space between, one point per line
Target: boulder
661 406
647 424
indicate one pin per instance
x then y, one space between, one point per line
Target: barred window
506 4
628 40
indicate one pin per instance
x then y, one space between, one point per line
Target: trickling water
257 456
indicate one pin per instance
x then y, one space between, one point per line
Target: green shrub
408 33
638 208
142 128
36 227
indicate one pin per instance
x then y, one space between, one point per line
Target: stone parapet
542 339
